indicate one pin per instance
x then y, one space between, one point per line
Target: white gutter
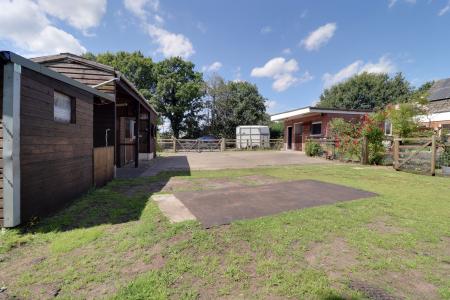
306 110
436 117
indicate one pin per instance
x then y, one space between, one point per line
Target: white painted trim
436 117
289 114
11 144
306 110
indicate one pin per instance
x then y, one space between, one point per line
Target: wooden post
222 145
396 153
433 155
149 134
137 126
364 151
174 144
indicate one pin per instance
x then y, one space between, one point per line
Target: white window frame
321 129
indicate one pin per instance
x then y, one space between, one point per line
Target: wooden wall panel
56 158
103 165
84 74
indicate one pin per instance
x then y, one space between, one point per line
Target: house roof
309 110
440 90
81 60
8 56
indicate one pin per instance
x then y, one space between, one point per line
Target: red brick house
299 124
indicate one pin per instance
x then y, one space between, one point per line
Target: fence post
396 153
433 155
174 144
222 145
364 151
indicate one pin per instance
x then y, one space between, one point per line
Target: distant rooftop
440 90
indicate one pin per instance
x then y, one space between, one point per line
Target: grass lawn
115 243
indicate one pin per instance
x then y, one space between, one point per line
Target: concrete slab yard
222 206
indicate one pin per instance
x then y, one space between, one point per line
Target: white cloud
319 37
81 14
384 65
444 10
237 75
139 7
202 27
266 30
287 51
391 3
276 66
304 14
214 67
270 104
282 72
169 44
26 25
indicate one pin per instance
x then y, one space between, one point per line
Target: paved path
217 161
218 207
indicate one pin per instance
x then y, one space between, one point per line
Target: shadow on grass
111 204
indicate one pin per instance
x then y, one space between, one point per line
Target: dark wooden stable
61 161
129 105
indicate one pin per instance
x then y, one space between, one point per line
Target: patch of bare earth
258 179
384 226
336 258
339 261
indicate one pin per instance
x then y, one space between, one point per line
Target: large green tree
134 65
367 91
178 95
236 103
172 86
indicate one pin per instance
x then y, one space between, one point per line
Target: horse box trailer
252 136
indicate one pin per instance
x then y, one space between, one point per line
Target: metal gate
191 145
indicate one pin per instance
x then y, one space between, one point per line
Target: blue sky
291 50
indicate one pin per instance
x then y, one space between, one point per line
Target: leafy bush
347 138
370 129
313 149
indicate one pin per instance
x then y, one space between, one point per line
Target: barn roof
8 56
440 90
81 60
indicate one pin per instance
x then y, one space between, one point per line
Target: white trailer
252 136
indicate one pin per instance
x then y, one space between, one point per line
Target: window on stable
64 108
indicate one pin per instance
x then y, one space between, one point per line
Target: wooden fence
417 155
219 145
103 165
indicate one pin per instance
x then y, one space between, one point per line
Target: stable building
302 123
61 135
135 119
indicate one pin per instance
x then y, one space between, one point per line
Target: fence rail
196 145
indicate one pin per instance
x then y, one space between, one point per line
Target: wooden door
127 140
289 137
298 136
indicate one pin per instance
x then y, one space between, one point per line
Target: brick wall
298 142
